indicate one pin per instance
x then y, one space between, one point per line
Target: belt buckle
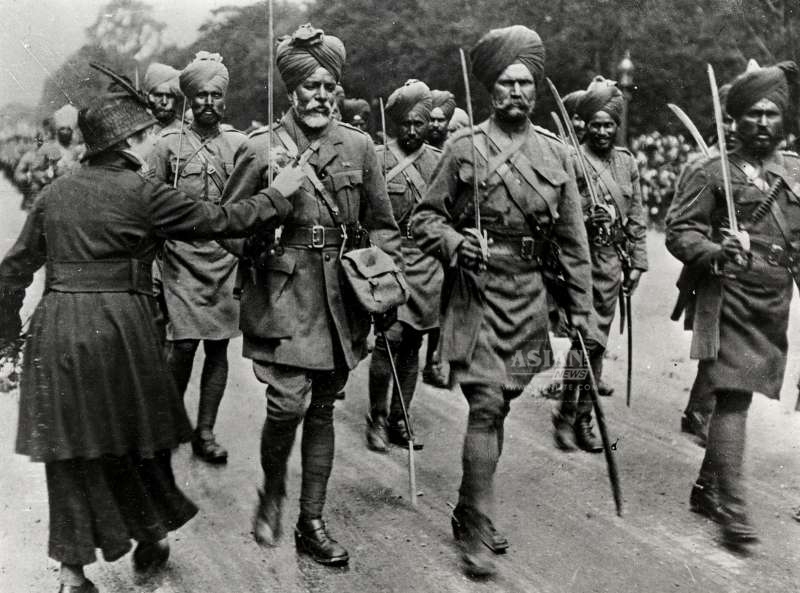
526 251
775 255
317 236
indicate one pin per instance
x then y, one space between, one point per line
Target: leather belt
524 247
774 254
104 275
313 237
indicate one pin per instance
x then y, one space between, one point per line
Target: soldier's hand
384 321
632 281
289 180
470 255
599 216
732 248
579 323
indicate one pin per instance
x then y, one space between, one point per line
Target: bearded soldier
495 309
162 89
199 276
617 230
744 280
302 328
444 104
409 164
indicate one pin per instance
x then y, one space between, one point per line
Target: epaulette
227 129
433 148
548 133
790 153
168 131
351 127
262 130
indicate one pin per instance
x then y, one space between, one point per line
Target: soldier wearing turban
356 112
408 164
742 282
494 310
459 120
197 277
302 326
571 101
444 104
617 233
162 89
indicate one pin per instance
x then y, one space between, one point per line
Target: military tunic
620 172
423 272
494 327
741 314
198 277
296 308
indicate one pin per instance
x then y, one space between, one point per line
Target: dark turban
602 95
777 83
723 95
571 101
500 48
444 100
306 50
158 74
206 69
413 96
355 108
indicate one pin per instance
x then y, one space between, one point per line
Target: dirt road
556 508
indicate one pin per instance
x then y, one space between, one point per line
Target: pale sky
37 35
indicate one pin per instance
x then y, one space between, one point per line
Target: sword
478 231
180 146
630 351
412 473
562 134
613 474
686 121
270 80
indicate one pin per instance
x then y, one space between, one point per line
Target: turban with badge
500 48
776 83
66 117
602 95
158 74
355 109
207 70
299 55
571 101
413 97
444 100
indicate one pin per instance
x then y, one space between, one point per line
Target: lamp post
625 81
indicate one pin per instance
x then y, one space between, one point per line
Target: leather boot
737 531
86 587
585 437
150 555
267 521
476 559
398 434
696 423
491 538
604 389
564 433
206 447
311 537
704 501
377 437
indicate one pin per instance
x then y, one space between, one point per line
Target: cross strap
406 166
614 190
219 176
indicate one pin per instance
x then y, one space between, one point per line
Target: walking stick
412 472
613 475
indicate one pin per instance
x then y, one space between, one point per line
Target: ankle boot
267 521
704 501
737 530
377 437
585 437
564 433
491 538
476 559
150 555
398 434
312 537
86 587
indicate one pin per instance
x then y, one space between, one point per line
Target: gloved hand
470 255
384 321
289 180
632 281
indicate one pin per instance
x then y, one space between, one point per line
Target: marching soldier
162 89
743 280
444 105
302 328
198 276
571 101
408 163
617 229
356 112
495 309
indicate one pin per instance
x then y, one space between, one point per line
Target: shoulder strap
219 176
291 148
614 190
406 166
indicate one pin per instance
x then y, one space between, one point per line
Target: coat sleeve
569 232
158 163
433 219
27 255
376 213
174 215
636 225
689 224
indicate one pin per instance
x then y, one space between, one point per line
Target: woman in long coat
97 404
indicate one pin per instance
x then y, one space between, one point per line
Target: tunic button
327 257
